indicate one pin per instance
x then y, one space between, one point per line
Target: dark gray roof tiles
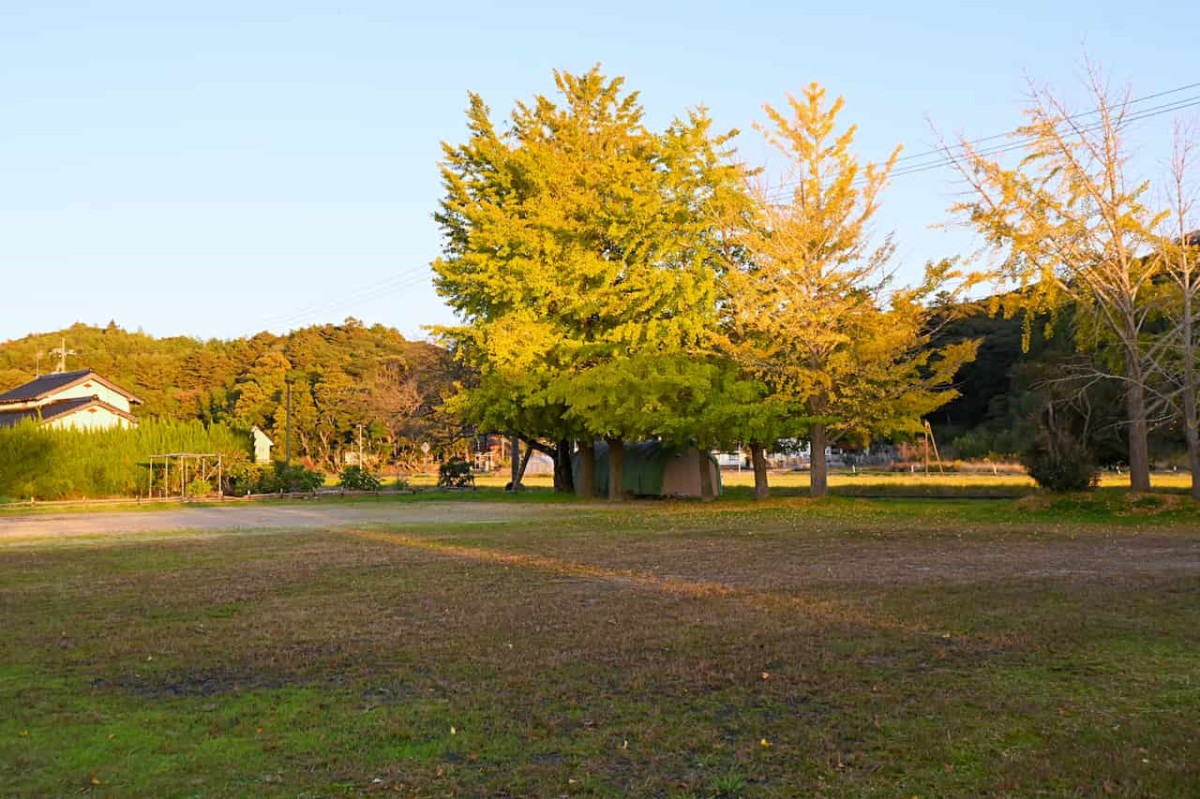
52 410
45 385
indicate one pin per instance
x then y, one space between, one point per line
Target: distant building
262 445
80 400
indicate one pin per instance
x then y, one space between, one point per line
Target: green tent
652 469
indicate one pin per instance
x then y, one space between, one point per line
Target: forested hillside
1004 391
341 376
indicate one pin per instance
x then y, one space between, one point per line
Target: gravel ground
40 527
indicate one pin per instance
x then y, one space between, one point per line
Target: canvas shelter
539 464
652 469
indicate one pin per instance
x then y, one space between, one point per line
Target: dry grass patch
660 650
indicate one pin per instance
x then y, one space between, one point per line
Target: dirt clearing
242 517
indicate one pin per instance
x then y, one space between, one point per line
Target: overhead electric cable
945 157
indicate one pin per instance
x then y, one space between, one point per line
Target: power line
947 159
939 152
389 285
1180 105
941 158
348 304
945 156
361 291
1019 144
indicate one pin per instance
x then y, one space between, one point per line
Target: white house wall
93 418
90 388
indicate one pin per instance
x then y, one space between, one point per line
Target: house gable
68 385
80 400
86 413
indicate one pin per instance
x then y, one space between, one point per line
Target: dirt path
255 517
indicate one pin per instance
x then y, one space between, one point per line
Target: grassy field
844 648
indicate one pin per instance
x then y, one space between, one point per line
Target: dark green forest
340 377
1008 388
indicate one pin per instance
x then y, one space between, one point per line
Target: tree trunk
1192 435
564 480
616 452
514 484
1191 424
758 459
819 468
524 465
707 491
587 470
1139 437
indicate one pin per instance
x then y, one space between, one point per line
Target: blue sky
216 169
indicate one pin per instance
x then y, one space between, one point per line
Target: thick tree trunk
707 492
758 459
1139 437
587 470
819 467
514 483
616 453
564 482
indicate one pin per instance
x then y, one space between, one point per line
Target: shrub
262 479
49 464
297 478
356 478
455 473
199 488
1060 461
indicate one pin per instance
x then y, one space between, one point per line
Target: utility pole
62 352
360 460
931 439
287 448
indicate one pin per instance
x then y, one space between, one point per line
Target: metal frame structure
205 465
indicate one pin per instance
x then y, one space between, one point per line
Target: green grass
842 648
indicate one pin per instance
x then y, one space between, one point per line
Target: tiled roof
54 410
14 418
45 385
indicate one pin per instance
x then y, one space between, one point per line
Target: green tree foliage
810 312
1059 456
356 478
25 458
1071 227
1179 255
340 376
277 477
52 464
455 473
580 253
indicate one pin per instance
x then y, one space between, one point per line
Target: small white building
80 400
262 445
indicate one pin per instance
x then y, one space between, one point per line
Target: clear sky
220 168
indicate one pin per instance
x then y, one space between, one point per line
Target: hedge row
49 464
